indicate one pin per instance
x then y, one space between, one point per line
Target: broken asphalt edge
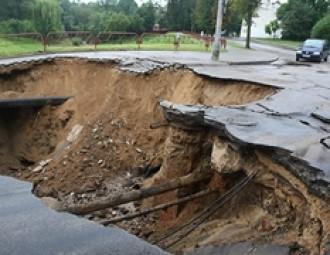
314 177
188 116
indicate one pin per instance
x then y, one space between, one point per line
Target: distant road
282 53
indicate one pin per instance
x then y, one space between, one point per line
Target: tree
161 16
172 13
14 26
67 15
205 15
322 28
136 24
268 29
272 28
232 21
108 4
248 9
148 14
47 16
180 14
186 17
117 22
299 16
128 7
15 9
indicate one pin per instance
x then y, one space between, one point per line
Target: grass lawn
13 47
279 42
21 46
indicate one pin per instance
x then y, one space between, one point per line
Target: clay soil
112 137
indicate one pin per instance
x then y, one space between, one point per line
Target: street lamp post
217 37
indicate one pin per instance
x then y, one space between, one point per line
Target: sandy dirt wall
114 108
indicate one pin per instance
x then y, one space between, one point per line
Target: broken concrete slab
322 115
293 143
29 227
32 102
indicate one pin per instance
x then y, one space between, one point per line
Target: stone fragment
37 169
74 133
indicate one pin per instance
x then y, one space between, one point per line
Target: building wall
266 14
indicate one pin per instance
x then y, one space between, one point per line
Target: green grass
279 42
16 47
13 47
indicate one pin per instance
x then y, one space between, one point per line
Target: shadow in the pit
27 131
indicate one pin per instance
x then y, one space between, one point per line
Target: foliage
298 17
205 15
248 9
148 14
18 9
14 26
136 24
46 16
272 28
322 28
76 41
116 22
179 14
129 7
232 19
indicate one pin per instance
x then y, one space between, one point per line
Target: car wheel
326 59
297 59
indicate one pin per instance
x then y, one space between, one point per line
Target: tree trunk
136 195
248 36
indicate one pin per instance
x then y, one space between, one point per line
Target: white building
266 14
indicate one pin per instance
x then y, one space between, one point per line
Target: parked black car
314 49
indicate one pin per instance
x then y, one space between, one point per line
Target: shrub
77 41
322 28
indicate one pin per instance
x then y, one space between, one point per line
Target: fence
105 40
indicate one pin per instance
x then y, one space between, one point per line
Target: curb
260 62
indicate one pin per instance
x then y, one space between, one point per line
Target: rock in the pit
44 163
37 169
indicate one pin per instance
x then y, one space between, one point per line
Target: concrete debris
44 163
74 133
37 169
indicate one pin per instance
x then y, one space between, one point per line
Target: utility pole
217 36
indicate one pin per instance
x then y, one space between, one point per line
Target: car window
314 43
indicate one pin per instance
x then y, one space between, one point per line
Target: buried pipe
187 228
136 195
158 208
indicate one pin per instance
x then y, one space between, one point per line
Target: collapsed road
138 122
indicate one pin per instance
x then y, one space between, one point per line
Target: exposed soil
111 137
115 110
